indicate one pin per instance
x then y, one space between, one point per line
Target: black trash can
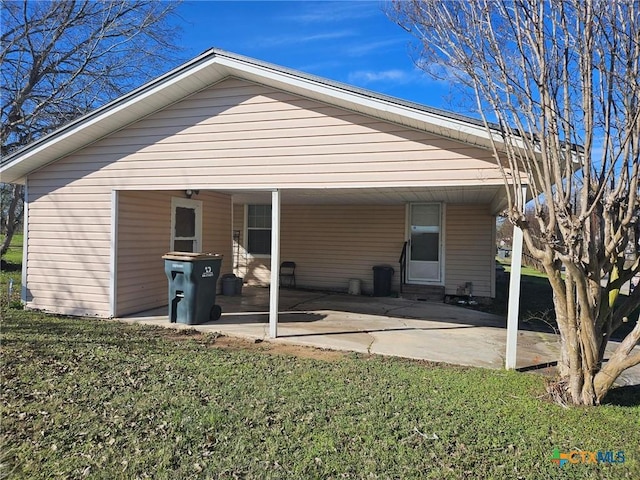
229 284
382 275
192 286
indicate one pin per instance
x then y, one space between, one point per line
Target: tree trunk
549 77
584 375
14 215
619 361
575 366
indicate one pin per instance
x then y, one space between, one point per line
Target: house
259 163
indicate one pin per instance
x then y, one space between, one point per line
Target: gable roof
213 66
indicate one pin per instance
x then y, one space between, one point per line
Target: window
259 229
425 232
425 243
186 225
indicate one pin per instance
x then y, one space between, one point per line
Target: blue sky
349 41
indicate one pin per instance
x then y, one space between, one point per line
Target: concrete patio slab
387 326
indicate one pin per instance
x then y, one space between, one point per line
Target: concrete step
427 293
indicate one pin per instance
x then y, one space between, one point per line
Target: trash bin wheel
216 312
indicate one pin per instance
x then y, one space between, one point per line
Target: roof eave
210 67
18 164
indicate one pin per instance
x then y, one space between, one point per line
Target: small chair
288 274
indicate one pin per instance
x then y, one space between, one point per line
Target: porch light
189 193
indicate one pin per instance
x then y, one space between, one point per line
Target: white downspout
514 293
274 287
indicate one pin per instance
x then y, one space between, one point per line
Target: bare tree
60 59
560 82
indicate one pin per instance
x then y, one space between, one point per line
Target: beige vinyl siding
238 134
332 244
216 227
253 270
232 135
470 251
144 232
239 260
144 235
68 247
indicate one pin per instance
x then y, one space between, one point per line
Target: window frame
440 229
247 228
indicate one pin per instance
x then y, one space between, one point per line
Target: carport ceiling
378 196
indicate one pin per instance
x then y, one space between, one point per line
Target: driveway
388 326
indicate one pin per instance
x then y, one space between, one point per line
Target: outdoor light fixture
189 193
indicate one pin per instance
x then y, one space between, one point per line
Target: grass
536 299
100 399
536 303
14 253
526 271
10 274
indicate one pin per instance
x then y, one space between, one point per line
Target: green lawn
14 253
99 399
536 302
10 274
536 298
525 271
10 290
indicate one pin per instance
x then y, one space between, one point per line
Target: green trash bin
192 286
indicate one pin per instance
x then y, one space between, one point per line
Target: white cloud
325 36
369 76
289 39
334 11
373 47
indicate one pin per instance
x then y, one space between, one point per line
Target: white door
425 243
186 225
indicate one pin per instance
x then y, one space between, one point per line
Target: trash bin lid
191 256
384 268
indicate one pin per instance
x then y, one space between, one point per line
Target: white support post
274 287
25 243
113 268
513 307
